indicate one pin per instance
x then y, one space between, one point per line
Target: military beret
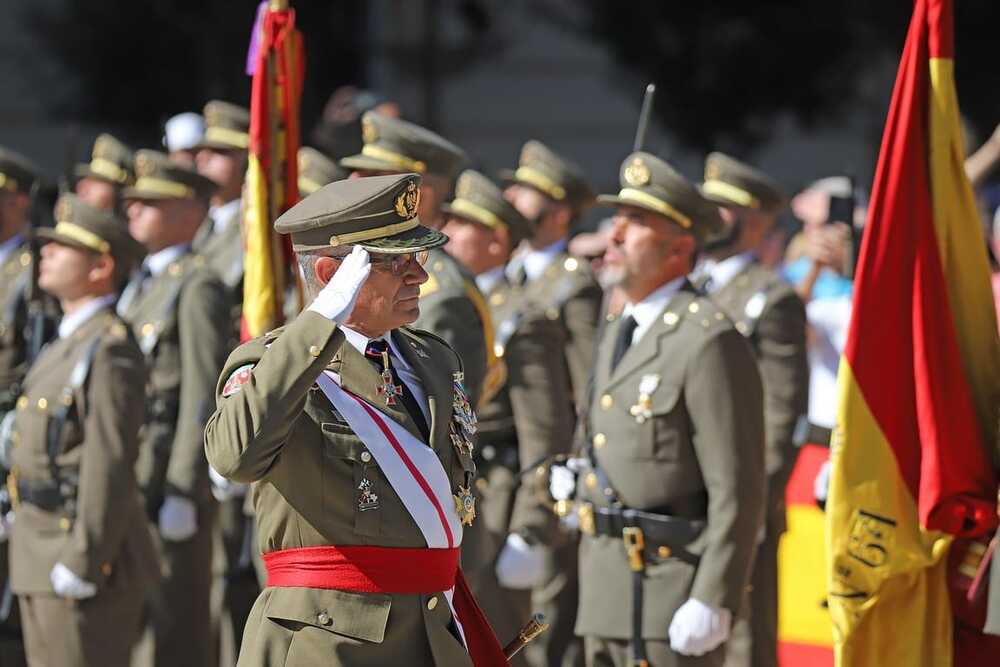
157 177
542 169
316 170
17 173
478 199
82 226
379 213
729 182
649 183
397 146
227 127
110 161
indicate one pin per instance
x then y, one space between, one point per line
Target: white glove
178 519
6 526
698 628
336 300
67 585
520 564
821 485
224 489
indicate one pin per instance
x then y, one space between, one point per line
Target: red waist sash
368 569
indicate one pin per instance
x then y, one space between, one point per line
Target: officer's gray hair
307 267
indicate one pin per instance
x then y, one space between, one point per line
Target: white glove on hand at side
225 489
6 526
67 585
697 628
336 300
520 564
178 519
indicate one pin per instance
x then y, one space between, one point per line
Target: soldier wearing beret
548 290
483 229
451 305
81 557
670 495
355 433
100 181
180 314
767 311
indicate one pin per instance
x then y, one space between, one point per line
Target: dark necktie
380 355
624 340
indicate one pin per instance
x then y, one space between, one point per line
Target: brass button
719 316
106 569
22 402
174 269
496 299
482 484
366 457
432 603
600 440
314 350
694 307
670 319
571 264
42 404
147 329
742 328
590 480
552 314
541 471
610 318
607 402
324 618
65 524
498 350
663 552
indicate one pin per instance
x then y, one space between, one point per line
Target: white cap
183 131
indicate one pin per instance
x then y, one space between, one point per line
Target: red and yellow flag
276 63
912 476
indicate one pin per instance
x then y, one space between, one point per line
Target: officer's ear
103 269
324 268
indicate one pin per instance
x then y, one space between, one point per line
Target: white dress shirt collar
536 261
223 215
70 323
159 261
359 342
646 311
720 273
487 280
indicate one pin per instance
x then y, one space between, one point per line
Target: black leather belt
44 495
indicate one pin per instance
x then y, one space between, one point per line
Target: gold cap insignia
102 148
143 165
369 134
637 173
407 201
464 188
213 114
64 210
712 170
529 154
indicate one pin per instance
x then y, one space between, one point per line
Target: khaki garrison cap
729 182
379 213
227 127
649 183
396 146
542 169
110 161
157 177
316 170
83 226
17 173
479 200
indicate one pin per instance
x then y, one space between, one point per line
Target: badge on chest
643 408
464 424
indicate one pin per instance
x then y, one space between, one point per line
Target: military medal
465 505
461 442
463 418
643 409
367 499
389 390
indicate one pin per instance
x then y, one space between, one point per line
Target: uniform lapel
437 385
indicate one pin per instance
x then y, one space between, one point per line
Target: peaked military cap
110 161
478 199
157 177
379 213
17 173
729 182
543 169
82 226
649 183
395 145
227 127
316 170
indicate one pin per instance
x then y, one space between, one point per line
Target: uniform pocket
352 478
664 424
357 615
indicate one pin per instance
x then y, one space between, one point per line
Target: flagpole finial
278 5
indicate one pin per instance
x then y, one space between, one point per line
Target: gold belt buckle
585 513
634 543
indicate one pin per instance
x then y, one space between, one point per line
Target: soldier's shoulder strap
431 343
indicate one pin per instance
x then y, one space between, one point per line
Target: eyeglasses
397 265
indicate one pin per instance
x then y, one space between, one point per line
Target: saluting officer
549 291
180 313
450 302
81 556
768 312
483 229
100 181
356 434
670 501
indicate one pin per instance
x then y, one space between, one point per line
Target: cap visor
49 234
145 195
615 200
412 240
215 146
356 162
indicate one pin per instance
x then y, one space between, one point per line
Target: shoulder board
704 314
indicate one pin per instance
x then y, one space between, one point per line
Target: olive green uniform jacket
280 433
696 451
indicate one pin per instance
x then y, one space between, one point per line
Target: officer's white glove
821 485
698 628
67 585
562 478
225 489
178 519
520 564
336 300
